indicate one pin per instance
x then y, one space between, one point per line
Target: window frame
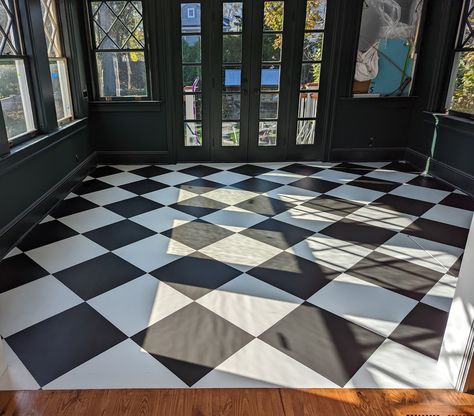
18 33
457 51
66 62
94 51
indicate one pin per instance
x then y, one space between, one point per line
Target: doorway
248 79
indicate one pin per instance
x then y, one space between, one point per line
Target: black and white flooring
236 275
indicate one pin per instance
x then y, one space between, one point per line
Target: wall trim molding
133 157
442 171
364 154
15 230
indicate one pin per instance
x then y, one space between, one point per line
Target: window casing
58 64
460 100
14 89
119 48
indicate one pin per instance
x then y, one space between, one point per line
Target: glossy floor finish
297 275
238 402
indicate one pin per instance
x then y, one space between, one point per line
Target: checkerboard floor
236 275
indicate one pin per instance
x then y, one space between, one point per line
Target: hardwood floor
229 402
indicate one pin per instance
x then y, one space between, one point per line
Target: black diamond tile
119 234
200 170
402 167
265 205
250 170
18 270
422 330
195 275
56 345
324 342
197 234
133 206
429 182
353 168
300 169
397 275
150 171
93 185
200 186
276 233
104 171
99 275
358 233
143 187
401 204
315 185
71 206
256 185
192 341
459 201
295 275
199 206
333 205
456 267
438 231
374 184
46 233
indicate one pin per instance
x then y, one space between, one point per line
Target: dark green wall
30 174
454 146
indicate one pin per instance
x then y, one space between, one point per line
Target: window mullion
4 145
35 47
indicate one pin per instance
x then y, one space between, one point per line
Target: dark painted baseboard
133 157
367 154
14 231
449 174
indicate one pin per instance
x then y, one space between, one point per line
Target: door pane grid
232 36
271 58
310 71
191 62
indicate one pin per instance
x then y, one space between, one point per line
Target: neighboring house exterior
191 17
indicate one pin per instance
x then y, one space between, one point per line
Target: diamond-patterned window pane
51 28
118 24
468 35
8 29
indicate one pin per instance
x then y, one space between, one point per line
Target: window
271 60
387 48
192 76
315 21
14 92
461 94
191 13
57 62
119 49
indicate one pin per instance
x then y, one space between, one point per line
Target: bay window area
14 90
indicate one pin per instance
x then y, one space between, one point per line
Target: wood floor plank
232 402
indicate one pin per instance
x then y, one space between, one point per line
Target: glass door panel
232 40
313 39
191 66
271 56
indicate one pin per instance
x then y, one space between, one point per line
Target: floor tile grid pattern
305 275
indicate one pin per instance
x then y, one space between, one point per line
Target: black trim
442 171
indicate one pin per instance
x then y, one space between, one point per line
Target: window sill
451 121
37 143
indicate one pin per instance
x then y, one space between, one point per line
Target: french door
247 78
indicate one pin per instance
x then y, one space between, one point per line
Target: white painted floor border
458 344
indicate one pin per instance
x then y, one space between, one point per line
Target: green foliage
463 98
